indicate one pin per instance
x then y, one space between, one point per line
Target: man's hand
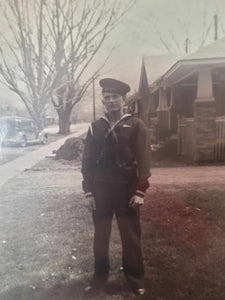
90 203
136 201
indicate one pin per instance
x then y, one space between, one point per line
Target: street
8 154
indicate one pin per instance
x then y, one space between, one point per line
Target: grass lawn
46 240
184 242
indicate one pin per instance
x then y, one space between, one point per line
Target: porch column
163 113
204 118
172 113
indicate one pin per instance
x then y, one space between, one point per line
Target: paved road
16 166
9 153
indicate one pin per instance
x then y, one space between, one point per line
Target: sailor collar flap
125 116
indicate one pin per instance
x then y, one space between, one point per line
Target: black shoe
96 283
88 289
140 292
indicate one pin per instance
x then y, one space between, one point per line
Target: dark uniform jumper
116 166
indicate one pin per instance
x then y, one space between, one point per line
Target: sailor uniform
116 166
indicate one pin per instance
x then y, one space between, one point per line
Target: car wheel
23 142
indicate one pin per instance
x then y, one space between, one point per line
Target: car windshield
8 127
25 125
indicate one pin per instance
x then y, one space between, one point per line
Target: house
185 97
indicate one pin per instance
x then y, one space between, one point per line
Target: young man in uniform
116 168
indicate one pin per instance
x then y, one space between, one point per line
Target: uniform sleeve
143 158
89 163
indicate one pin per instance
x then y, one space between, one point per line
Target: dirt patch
72 149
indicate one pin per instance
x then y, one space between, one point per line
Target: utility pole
94 115
187 45
215 27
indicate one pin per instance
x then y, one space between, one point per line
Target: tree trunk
40 122
38 118
64 120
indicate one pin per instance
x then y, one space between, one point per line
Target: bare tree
49 47
187 34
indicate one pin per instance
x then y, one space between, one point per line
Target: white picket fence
220 139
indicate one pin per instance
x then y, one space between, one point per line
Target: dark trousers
114 198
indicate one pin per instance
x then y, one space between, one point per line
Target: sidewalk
15 167
211 174
73 128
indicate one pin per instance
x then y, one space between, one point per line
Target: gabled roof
213 50
164 66
211 55
157 65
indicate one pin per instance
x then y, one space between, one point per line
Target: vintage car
20 131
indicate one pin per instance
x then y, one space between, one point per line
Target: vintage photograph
112 149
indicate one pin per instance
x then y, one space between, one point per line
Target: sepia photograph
112 149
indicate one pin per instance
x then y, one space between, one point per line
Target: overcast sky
150 23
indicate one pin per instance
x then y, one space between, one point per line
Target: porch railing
220 139
185 137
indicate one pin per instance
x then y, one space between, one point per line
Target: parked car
20 131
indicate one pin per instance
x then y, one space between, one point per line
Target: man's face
112 101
